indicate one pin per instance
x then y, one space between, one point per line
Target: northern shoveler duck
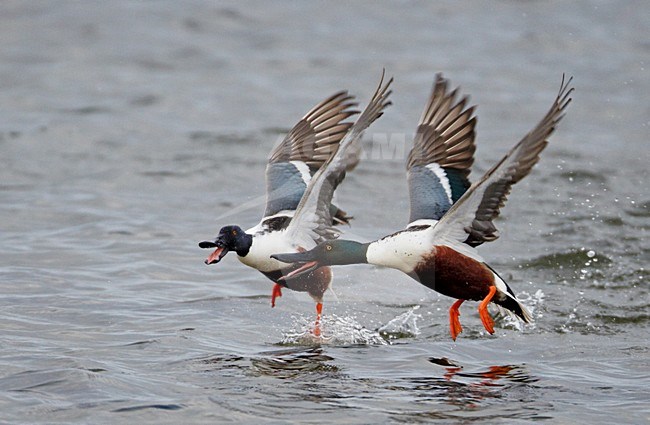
295 193
437 247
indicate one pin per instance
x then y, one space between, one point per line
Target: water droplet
591 253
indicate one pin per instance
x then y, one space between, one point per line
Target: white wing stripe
304 171
442 176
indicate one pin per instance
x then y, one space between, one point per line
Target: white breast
401 251
266 244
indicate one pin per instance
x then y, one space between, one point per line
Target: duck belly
315 283
451 273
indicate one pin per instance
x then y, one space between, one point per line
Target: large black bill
207 244
298 257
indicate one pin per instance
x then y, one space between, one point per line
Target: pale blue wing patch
312 215
285 185
429 191
443 152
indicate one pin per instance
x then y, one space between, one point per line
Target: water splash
403 326
335 330
533 304
346 330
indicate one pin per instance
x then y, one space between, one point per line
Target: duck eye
234 233
328 247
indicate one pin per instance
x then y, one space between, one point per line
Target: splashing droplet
335 330
403 326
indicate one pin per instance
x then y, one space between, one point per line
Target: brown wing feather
520 160
318 133
313 214
445 134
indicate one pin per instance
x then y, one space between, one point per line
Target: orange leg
319 313
454 324
277 292
488 323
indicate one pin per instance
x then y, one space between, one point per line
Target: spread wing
304 150
470 219
443 151
313 214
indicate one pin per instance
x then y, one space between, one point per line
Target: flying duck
295 195
437 247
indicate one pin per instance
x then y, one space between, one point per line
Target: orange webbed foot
488 323
454 323
277 292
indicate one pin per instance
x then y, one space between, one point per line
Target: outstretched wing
304 150
470 219
442 154
313 213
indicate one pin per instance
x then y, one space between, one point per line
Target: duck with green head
437 249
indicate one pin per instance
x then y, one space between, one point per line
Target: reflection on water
468 394
292 363
318 376
492 374
284 363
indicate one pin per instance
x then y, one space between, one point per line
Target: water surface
129 131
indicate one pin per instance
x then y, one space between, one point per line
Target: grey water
129 131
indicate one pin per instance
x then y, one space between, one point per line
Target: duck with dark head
301 176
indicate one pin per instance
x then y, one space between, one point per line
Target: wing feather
321 127
470 219
313 214
310 141
439 163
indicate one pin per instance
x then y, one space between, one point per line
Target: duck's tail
510 302
513 305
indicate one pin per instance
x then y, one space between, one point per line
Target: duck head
231 238
329 253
